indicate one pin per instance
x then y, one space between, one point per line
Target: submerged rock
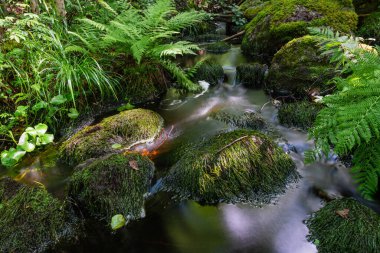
210 72
241 165
31 220
299 114
112 185
344 225
251 75
126 128
281 21
298 68
219 47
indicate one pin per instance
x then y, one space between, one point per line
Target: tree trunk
61 8
34 6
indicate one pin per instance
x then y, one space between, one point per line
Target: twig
234 36
232 143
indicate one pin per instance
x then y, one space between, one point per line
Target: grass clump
31 220
112 185
335 232
125 128
210 72
219 47
299 114
251 75
242 165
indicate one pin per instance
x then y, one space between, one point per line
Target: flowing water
186 226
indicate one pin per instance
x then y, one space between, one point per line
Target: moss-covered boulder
126 128
251 75
344 225
299 68
371 27
242 165
219 47
299 114
31 220
114 184
210 72
251 8
283 20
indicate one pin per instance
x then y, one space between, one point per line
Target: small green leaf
73 113
41 129
126 107
31 131
23 139
316 242
39 106
58 100
118 221
46 139
116 146
28 146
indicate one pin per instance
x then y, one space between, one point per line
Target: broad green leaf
118 221
73 113
41 128
125 107
116 146
28 146
39 106
46 139
23 139
58 100
11 157
31 131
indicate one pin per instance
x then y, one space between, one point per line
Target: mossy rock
126 128
31 220
251 8
332 232
298 68
371 27
251 75
299 114
114 184
366 6
242 165
210 72
283 20
219 47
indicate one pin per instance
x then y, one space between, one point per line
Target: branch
234 36
232 143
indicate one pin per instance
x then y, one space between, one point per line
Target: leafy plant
350 122
31 138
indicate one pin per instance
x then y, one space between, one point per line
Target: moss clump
251 8
299 67
125 128
240 165
31 220
283 20
371 27
112 185
219 47
299 114
251 75
210 72
358 232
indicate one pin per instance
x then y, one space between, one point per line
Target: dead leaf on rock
343 213
134 165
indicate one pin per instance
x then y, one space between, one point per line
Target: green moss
359 232
299 67
113 185
299 114
219 47
240 165
252 7
251 75
210 72
283 20
371 27
31 220
125 128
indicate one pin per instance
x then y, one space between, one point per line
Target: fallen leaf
134 165
343 213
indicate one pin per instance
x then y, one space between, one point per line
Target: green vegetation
126 128
31 220
277 23
241 165
113 185
251 75
344 225
370 27
299 114
218 47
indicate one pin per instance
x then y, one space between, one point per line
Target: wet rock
31 220
370 27
251 75
113 184
299 68
126 128
241 165
299 114
366 6
219 47
344 225
210 72
278 22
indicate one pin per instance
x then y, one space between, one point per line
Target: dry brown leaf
343 213
134 165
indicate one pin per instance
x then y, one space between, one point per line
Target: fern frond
179 75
